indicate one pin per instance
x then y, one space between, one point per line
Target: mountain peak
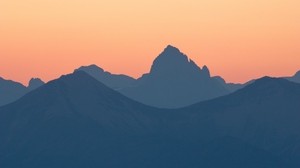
171 48
73 85
175 81
171 51
267 86
170 61
91 68
205 71
268 79
35 83
297 74
269 82
114 81
77 75
80 79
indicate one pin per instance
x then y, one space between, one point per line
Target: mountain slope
35 83
111 80
265 114
75 121
175 81
295 78
10 91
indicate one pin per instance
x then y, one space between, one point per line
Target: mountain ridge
114 81
80 120
11 91
175 81
295 78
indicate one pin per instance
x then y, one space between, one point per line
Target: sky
237 39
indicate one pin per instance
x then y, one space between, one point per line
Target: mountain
111 80
175 81
76 121
232 87
264 114
35 83
10 91
295 78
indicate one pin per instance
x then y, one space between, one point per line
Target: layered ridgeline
265 114
35 83
114 81
295 78
76 121
10 90
173 81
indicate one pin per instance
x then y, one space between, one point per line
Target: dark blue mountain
295 78
232 87
175 81
34 83
11 91
111 80
265 114
75 121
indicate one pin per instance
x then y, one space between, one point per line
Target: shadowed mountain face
35 83
76 121
265 114
111 80
11 91
175 81
73 121
171 63
295 78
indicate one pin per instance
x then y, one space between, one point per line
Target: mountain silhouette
230 86
11 91
264 114
175 81
76 121
70 122
111 80
35 83
295 78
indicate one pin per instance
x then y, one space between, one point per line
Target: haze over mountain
175 81
75 121
10 90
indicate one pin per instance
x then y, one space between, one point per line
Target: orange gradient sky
237 39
